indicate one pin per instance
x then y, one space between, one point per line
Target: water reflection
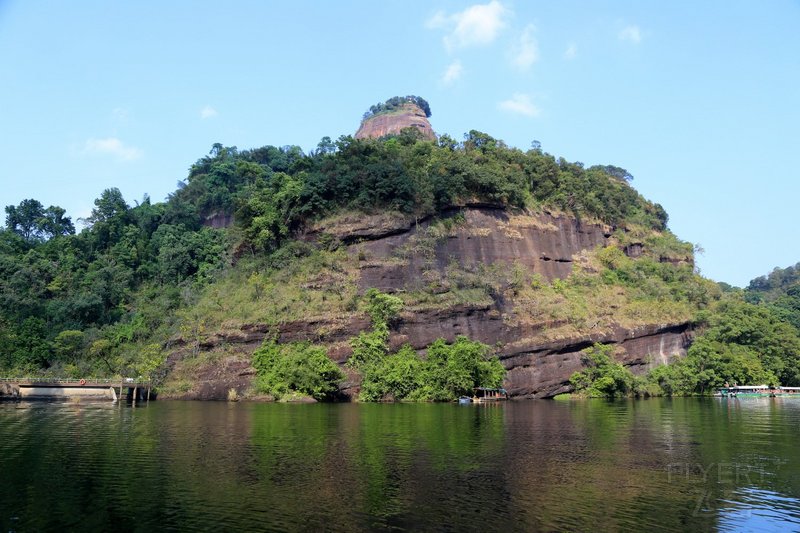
689 464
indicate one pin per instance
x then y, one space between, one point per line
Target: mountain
270 249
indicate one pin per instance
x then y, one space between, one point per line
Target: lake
683 464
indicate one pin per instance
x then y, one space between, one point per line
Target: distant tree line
780 291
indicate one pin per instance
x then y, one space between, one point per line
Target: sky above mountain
697 100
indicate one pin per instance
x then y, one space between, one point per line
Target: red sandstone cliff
392 123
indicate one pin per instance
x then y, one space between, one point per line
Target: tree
110 205
150 359
53 223
298 367
269 212
382 308
478 140
615 172
603 376
456 369
34 223
325 146
68 345
102 350
24 219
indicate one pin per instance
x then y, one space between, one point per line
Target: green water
688 464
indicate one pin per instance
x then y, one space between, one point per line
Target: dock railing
111 382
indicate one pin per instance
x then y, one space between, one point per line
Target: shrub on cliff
297 367
394 377
369 347
453 370
448 371
604 377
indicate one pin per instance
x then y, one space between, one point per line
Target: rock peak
392 122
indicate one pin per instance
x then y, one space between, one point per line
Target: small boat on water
483 394
758 391
744 390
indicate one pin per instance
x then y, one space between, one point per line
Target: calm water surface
688 464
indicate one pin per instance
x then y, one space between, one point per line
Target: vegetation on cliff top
395 103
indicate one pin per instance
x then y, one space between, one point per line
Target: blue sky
698 100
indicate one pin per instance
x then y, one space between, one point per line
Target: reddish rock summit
409 115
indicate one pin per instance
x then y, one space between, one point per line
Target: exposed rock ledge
535 369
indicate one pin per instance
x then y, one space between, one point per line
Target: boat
744 390
484 394
758 391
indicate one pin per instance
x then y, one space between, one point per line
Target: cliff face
538 346
392 123
544 244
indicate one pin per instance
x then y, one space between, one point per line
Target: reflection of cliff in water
684 464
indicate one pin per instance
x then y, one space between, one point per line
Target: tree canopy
396 102
31 221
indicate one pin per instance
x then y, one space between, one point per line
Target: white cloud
571 52
111 146
631 34
208 112
526 51
520 104
477 25
453 73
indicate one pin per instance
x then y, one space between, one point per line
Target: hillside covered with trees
145 279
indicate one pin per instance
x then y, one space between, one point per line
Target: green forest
143 279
